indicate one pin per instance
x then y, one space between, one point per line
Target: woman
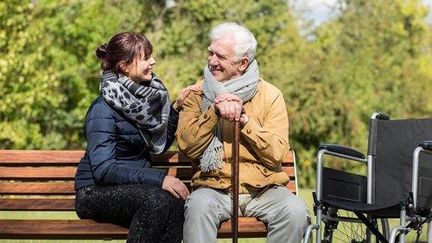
131 119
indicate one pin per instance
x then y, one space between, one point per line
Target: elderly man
233 90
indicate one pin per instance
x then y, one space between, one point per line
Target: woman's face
140 69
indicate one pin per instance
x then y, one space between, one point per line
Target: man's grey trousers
285 214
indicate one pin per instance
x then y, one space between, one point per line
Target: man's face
221 60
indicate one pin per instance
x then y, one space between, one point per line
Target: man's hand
229 106
227 97
175 186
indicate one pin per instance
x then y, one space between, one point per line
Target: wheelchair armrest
339 149
426 145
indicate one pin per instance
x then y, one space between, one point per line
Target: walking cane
235 180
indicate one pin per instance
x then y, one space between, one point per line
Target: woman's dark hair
123 48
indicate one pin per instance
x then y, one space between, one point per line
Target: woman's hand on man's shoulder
184 93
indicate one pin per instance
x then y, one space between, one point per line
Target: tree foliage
373 56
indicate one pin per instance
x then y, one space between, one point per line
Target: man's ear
244 64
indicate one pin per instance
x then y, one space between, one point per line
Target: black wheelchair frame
394 187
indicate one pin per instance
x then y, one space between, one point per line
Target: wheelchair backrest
391 145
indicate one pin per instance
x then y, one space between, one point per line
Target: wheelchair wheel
344 226
420 236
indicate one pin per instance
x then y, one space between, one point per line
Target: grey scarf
147 106
245 87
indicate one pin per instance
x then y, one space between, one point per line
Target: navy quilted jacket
116 153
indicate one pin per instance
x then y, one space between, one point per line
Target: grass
306 194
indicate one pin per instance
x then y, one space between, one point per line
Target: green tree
372 57
48 71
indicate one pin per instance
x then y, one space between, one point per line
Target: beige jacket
263 140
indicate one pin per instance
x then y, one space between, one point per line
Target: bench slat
59 229
89 229
68 173
58 188
65 173
33 188
69 157
72 157
40 156
247 227
37 204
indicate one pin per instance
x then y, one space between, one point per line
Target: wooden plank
40 156
69 157
66 173
42 188
58 188
186 173
181 173
60 229
158 164
248 227
89 229
37 204
72 157
34 188
170 156
289 170
292 186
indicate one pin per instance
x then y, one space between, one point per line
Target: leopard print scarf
146 105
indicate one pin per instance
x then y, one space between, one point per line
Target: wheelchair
351 207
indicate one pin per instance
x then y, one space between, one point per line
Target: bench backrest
45 178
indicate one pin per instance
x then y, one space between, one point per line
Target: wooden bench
42 180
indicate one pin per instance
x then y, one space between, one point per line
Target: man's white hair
245 44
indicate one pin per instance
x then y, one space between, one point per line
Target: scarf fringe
212 159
